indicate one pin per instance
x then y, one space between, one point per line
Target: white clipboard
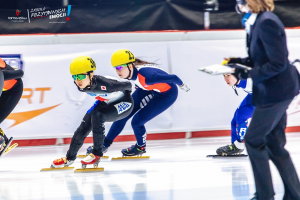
218 69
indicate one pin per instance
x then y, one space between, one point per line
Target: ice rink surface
176 170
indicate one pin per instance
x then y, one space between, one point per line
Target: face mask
245 19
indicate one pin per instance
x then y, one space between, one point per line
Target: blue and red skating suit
243 113
155 92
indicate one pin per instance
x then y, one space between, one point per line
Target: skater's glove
184 87
232 61
240 73
242 61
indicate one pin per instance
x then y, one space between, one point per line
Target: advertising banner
52 106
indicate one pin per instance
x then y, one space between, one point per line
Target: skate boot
5 144
229 150
2 143
91 159
62 162
90 150
134 150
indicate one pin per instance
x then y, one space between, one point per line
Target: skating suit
113 102
12 89
155 92
243 113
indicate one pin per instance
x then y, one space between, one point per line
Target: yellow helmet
82 64
121 57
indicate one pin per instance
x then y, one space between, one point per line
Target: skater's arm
12 74
159 76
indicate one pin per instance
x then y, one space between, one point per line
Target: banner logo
51 14
122 107
14 60
17 18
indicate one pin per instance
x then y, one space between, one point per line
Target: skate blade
227 156
99 169
83 156
57 169
10 148
130 157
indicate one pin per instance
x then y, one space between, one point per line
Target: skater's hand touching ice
184 87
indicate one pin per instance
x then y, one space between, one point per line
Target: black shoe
229 150
255 197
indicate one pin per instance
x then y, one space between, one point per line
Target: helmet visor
120 67
79 77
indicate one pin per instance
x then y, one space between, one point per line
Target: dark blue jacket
274 79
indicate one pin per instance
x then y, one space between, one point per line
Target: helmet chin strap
129 72
234 87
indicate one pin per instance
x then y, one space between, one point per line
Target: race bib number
122 107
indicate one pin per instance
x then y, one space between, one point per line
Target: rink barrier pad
83 156
130 158
98 169
10 148
57 169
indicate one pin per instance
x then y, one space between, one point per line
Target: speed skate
83 156
90 159
8 148
134 152
227 156
130 157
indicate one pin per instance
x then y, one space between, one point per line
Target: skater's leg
242 116
233 128
112 112
9 99
118 126
98 127
281 158
78 138
155 106
264 120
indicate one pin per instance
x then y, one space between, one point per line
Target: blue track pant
147 105
239 123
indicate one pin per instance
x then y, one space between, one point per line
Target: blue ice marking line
69 9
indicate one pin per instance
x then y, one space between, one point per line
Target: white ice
176 170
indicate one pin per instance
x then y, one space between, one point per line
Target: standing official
275 84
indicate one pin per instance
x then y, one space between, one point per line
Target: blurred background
42 38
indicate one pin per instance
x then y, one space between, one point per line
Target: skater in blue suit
243 113
156 91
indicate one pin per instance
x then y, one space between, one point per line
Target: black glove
241 73
235 60
242 61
